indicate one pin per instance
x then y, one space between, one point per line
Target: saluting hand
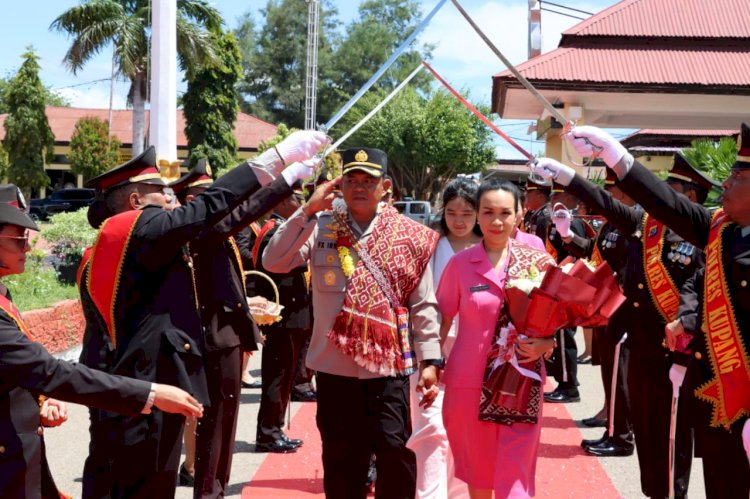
177 401
53 412
322 198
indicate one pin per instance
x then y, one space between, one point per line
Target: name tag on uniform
479 287
326 245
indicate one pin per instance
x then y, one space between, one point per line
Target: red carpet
563 470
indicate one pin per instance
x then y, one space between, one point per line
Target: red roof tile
249 130
682 132
669 18
602 64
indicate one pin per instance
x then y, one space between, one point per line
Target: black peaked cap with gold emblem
199 175
142 169
536 186
743 149
683 171
13 208
371 161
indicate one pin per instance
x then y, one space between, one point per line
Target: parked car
416 210
61 201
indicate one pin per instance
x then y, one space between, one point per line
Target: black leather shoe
296 442
279 446
596 441
308 396
255 384
610 447
562 396
595 422
185 479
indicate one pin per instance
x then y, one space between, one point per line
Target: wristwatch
439 363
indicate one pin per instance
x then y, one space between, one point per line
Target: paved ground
67 446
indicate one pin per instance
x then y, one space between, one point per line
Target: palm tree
126 24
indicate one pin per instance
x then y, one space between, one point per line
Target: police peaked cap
743 149
371 161
142 169
683 171
199 175
13 208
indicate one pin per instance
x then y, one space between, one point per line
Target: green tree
429 140
274 83
382 26
92 151
51 98
211 104
713 158
28 137
95 24
3 162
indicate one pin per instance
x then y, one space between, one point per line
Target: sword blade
336 117
521 78
477 113
374 111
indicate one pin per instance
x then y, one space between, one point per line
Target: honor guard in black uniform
228 327
711 334
284 339
652 301
140 302
563 364
611 246
538 213
28 374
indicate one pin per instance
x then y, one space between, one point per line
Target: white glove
746 438
561 219
677 376
301 170
584 138
301 145
551 169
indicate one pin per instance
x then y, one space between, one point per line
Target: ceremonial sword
336 117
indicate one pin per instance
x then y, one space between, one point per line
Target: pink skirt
489 455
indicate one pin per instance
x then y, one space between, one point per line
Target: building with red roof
643 64
249 131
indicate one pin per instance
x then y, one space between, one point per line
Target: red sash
270 224
729 390
106 259
548 246
661 287
7 306
84 261
596 254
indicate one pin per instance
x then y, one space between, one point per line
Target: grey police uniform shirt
300 240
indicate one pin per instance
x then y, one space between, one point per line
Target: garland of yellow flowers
345 254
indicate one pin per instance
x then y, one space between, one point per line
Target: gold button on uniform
636 304
743 283
698 355
239 306
187 346
640 285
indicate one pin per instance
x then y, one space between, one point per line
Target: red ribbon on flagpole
477 113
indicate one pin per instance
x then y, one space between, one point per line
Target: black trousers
142 456
303 377
357 417
650 408
565 373
217 428
281 352
607 339
726 472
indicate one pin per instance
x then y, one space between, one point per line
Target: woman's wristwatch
439 363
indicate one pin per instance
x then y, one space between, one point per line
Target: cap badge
361 156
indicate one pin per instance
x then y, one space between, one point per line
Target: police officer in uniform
716 348
284 339
652 300
537 218
228 327
564 361
138 290
611 246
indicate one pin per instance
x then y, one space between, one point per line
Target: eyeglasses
21 241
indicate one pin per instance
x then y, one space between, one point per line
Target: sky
460 56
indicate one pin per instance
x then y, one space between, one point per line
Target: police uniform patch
330 259
329 278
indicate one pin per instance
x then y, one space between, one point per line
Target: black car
61 201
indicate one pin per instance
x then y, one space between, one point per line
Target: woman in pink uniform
435 470
488 456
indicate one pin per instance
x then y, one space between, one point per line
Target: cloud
93 98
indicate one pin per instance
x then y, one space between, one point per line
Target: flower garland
343 241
